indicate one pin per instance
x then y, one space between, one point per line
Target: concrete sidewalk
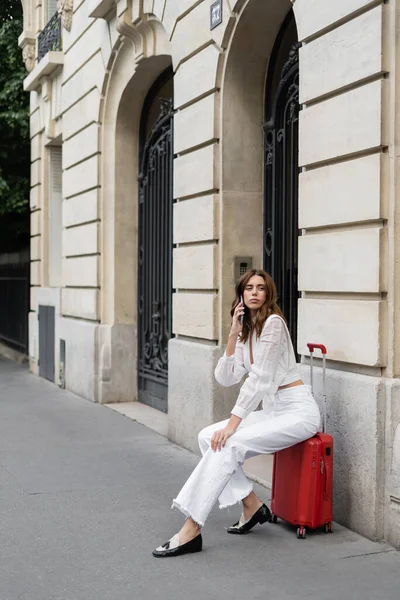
85 495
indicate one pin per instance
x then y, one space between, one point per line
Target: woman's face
255 293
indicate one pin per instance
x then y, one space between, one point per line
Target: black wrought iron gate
155 259
281 171
14 299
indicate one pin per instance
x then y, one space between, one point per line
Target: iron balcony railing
49 39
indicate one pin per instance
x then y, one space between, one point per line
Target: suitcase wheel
274 519
301 533
328 528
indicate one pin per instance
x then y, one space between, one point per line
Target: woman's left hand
219 438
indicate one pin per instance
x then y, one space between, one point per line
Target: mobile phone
241 316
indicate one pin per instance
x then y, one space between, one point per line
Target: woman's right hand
236 326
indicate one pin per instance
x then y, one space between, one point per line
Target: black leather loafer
195 545
263 515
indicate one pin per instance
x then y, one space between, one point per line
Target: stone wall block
313 16
81 177
197 76
196 172
34 102
95 37
80 240
353 330
345 261
194 315
36 172
36 248
80 303
47 296
348 123
33 299
343 56
158 8
80 209
80 23
36 148
196 124
148 6
35 197
195 267
90 76
191 33
174 11
195 220
345 192
81 146
35 123
81 114
81 271
36 278
36 226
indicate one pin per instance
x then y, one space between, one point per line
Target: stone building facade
220 114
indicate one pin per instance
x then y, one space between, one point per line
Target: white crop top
274 365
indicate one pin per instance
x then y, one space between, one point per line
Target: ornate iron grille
155 260
50 37
281 189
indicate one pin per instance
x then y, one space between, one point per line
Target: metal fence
14 299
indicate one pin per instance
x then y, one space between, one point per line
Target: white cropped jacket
274 366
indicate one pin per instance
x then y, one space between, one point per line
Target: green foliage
14 128
10 9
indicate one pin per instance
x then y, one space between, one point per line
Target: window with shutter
55 216
51 8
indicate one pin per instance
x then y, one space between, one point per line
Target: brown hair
270 306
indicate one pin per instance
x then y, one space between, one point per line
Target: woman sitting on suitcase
261 347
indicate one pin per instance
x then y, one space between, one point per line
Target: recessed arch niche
243 84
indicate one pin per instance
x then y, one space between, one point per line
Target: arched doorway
281 169
155 242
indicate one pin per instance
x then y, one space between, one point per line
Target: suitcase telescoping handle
321 347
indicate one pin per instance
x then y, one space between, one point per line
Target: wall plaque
215 14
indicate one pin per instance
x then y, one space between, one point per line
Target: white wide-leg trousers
295 417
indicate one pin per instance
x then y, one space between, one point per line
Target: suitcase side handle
311 346
328 480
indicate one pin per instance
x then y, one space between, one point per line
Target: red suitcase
303 476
